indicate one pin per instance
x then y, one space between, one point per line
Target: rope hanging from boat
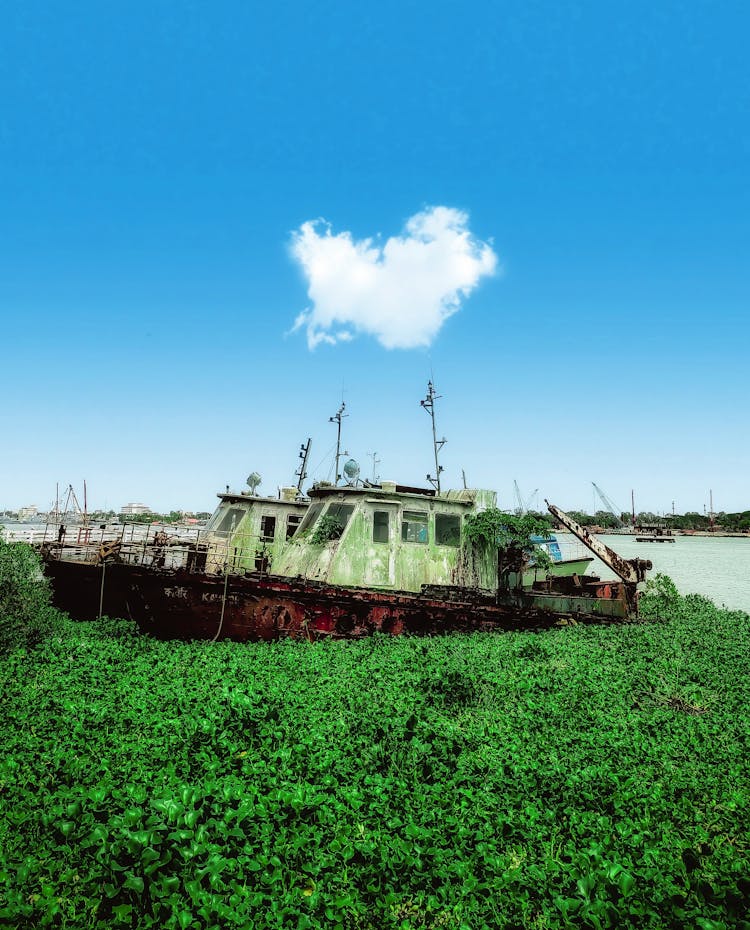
223 605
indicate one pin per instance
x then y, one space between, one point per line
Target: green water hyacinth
26 616
582 777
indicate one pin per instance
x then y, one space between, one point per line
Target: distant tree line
110 516
174 516
729 522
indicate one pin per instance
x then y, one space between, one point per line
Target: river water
717 567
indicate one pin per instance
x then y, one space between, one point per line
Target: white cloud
400 292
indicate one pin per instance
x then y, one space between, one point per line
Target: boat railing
572 549
163 546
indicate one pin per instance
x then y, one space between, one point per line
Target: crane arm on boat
630 570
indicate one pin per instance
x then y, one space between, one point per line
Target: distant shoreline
605 531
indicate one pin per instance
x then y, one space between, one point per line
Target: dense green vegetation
26 616
588 776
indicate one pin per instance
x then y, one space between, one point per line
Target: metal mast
304 453
437 444
337 420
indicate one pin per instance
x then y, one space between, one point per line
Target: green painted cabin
248 532
389 537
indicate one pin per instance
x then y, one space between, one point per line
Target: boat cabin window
313 512
267 527
340 513
223 521
292 522
414 527
380 527
448 529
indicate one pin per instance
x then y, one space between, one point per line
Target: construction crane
521 508
608 505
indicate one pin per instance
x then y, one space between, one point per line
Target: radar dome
351 471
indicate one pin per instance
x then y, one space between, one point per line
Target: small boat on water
560 565
653 533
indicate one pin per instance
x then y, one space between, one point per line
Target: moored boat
384 558
653 533
355 559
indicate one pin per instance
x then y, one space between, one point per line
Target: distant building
27 513
130 509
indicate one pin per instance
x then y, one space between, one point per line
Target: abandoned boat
346 561
362 559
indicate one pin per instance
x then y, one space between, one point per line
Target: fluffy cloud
400 292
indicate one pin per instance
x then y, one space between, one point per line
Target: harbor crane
608 505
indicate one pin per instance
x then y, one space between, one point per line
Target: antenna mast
304 454
375 463
337 420
437 444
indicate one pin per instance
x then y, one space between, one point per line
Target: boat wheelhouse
248 532
385 536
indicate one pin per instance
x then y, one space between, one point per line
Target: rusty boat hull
191 605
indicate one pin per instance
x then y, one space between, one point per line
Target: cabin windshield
224 520
340 513
313 512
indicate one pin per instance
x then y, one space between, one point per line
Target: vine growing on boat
494 529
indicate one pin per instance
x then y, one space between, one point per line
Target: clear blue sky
156 160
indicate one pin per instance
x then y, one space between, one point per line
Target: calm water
717 567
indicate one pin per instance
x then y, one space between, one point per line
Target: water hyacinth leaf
134 883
